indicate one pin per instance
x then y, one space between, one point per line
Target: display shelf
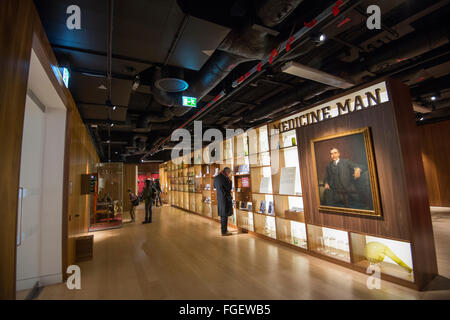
283 140
330 242
261 180
245 220
393 257
192 202
263 203
265 225
186 200
292 232
286 172
289 207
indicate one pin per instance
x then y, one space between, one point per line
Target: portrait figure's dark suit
345 190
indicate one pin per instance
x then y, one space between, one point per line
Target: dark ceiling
209 44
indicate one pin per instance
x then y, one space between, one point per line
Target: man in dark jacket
158 192
339 182
223 186
148 195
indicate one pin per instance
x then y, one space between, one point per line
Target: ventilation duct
242 45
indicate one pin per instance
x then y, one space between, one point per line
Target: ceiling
210 44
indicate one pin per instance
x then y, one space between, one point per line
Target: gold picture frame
366 207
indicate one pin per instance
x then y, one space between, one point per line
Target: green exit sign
189 102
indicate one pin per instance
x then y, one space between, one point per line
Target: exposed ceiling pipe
407 47
253 74
241 46
285 101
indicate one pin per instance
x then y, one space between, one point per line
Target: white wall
52 195
28 253
39 257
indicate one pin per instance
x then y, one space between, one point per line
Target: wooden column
435 156
16 27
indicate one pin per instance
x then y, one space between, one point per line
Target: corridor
183 256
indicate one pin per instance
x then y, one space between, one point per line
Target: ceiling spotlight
433 98
114 108
322 37
421 118
108 141
112 124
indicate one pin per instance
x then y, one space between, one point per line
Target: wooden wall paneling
16 27
394 202
435 155
83 160
421 229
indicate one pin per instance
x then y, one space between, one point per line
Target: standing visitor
223 185
134 203
148 194
158 192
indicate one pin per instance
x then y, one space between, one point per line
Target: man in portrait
346 183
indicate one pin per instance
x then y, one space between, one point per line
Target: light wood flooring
183 256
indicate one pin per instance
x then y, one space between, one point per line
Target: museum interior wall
436 161
21 30
83 160
129 182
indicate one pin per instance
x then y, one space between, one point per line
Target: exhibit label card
264 187
287 180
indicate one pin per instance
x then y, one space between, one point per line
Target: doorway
40 198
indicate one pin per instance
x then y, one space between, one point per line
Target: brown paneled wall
83 158
436 161
16 27
148 168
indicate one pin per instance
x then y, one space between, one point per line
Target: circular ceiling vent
171 84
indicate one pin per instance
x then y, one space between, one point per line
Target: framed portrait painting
345 174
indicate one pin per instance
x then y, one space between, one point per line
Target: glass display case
330 242
265 225
245 219
393 257
292 232
108 198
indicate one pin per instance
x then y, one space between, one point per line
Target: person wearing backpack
134 203
148 194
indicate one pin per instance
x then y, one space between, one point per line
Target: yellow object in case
376 252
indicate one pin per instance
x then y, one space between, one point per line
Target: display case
292 232
245 219
108 198
289 207
265 225
330 242
393 257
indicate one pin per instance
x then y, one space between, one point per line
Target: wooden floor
183 256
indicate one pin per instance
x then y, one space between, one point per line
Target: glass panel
393 257
108 200
292 232
265 225
330 242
